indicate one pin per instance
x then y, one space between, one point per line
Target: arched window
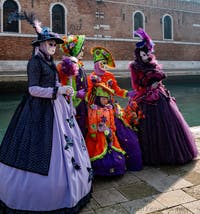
138 20
167 27
10 6
58 19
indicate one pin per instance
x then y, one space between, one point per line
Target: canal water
186 90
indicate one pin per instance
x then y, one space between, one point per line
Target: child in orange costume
105 153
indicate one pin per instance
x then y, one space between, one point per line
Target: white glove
68 90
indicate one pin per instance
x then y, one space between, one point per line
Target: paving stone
100 183
172 170
192 166
173 198
128 178
161 181
91 205
115 209
108 197
176 210
157 212
137 190
193 206
193 191
193 177
143 206
195 131
87 212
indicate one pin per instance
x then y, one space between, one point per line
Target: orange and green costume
97 140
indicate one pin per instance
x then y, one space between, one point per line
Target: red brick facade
117 14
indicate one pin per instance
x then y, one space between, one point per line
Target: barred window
138 20
167 27
10 6
58 19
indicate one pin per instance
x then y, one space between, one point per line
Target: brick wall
81 19
19 48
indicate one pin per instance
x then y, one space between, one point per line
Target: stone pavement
163 190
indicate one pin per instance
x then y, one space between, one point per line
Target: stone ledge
15 70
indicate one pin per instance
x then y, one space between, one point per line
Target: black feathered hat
47 34
43 33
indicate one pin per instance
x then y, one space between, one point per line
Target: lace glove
67 90
130 94
81 94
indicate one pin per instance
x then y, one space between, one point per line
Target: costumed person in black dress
73 46
164 135
44 163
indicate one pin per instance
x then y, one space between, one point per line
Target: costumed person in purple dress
74 46
106 154
44 163
127 137
164 135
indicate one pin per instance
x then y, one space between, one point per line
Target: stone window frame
171 26
2 19
65 15
143 21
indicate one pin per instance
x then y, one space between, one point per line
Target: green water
187 96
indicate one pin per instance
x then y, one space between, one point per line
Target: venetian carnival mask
145 56
100 67
50 47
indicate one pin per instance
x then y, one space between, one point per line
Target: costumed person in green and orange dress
127 137
106 154
74 46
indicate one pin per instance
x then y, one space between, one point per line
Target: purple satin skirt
164 135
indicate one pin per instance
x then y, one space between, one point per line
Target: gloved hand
81 94
130 94
95 79
67 90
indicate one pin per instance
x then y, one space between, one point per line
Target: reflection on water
8 104
187 96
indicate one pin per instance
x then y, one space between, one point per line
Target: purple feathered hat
146 40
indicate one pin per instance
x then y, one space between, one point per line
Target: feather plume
68 67
37 26
29 17
145 37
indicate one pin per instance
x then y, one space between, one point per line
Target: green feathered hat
103 91
72 44
100 53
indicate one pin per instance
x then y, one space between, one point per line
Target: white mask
48 47
51 47
144 56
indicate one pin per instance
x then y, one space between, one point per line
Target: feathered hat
103 90
43 33
146 40
72 45
100 53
